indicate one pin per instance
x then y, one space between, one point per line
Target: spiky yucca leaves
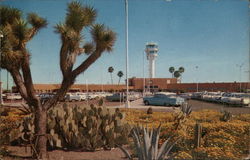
147 144
186 109
16 33
36 21
8 15
103 37
79 16
227 116
181 115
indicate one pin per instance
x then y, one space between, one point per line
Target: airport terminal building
150 84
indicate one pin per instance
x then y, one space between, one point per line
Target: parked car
45 96
13 96
197 95
116 97
216 97
236 99
186 96
164 99
72 97
83 96
134 96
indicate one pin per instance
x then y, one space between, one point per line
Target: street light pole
240 66
126 35
143 94
197 85
1 97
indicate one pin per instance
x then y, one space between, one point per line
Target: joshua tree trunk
40 132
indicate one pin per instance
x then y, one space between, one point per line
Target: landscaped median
221 137
206 134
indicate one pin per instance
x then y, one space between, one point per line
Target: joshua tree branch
32 32
63 59
19 83
28 82
85 64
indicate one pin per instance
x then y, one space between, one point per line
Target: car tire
146 103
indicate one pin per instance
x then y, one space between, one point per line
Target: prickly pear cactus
82 127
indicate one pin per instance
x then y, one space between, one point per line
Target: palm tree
111 70
181 70
171 70
119 74
18 32
177 74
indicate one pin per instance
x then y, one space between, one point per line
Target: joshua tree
17 32
111 70
119 74
171 70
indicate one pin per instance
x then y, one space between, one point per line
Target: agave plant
181 115
147 145
186 109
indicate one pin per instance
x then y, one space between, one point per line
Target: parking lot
138 104
196 106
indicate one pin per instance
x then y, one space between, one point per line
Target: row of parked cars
234 98
11 96
77 96
121 97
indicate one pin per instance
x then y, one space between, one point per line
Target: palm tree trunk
119 80
111 78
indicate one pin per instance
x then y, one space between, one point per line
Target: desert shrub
150 110
220 139
8 128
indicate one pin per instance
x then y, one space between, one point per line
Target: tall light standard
126 37
240 66
143 91
1 97
197 85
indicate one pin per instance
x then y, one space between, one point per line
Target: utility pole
126 35
143 91
197 85
240 67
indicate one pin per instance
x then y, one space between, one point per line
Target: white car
72 97
236 98
83 96
212 96
13 96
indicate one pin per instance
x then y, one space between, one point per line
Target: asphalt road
196 106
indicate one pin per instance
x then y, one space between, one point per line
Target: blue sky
210 34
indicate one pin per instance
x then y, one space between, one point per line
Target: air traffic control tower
151 51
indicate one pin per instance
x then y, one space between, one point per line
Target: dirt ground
22 153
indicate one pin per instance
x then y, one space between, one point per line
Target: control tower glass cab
152 52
